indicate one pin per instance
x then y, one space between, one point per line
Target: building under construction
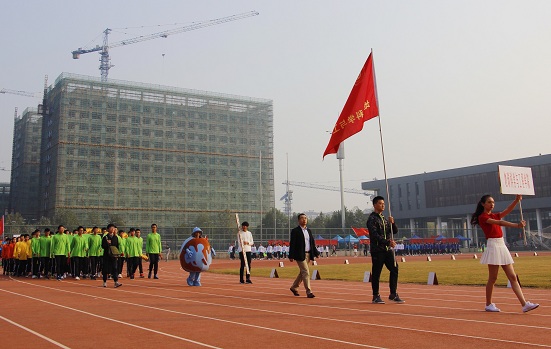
25 164
153 153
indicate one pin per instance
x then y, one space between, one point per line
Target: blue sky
460 83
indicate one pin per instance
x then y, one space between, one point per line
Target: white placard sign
516 180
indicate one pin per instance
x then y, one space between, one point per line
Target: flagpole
340 156
383 154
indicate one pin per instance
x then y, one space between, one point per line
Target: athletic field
166 313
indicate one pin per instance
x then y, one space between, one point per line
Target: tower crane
104 49
19 93
326 187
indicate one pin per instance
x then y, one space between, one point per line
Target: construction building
25 163
153 154
4 198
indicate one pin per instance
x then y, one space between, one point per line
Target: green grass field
532 272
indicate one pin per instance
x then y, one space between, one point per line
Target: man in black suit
302 248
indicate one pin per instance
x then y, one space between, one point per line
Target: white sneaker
529 306
492 308
105 284
34 277
77 278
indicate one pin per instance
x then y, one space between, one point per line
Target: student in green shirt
79 248
94 252
153 249
122 249
59 250
140 265
133 252
35 250
45 243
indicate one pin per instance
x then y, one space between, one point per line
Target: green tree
67 218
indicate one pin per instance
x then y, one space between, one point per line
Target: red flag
2 228
360 231
360 107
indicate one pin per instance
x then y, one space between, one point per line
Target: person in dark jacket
302 248
382 243
109 262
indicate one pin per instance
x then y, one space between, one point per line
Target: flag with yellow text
360 107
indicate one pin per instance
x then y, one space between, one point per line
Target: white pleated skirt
496 253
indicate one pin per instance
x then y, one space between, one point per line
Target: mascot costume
195 256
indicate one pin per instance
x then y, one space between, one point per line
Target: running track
166 313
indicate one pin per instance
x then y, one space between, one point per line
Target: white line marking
35 333
106 318
182 313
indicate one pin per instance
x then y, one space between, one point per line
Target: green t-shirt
133 247
94 246
35 247
79 246
153 243
60 245
45 244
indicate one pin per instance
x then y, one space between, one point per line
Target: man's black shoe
395 298
310 295
249 281
377 300
295 293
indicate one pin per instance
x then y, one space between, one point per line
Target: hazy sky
460 83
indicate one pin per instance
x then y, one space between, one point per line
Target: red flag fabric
360 107
2 228
360 231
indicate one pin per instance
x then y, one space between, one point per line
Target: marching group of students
81 254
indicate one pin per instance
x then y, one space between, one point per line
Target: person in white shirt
261 251
326 250
320 250
244 244
269 250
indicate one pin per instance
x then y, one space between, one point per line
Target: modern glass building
153 153
442 202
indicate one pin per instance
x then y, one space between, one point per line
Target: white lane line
113 320
35 333
343 300
308 317
258 285
340 320
182 313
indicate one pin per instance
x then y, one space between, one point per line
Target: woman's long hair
479 209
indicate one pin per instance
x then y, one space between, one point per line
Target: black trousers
140 266
242 269
387 259
60 264
132 264
110 266
35 266
153 263
94 264
45 265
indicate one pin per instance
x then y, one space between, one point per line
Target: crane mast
105 60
